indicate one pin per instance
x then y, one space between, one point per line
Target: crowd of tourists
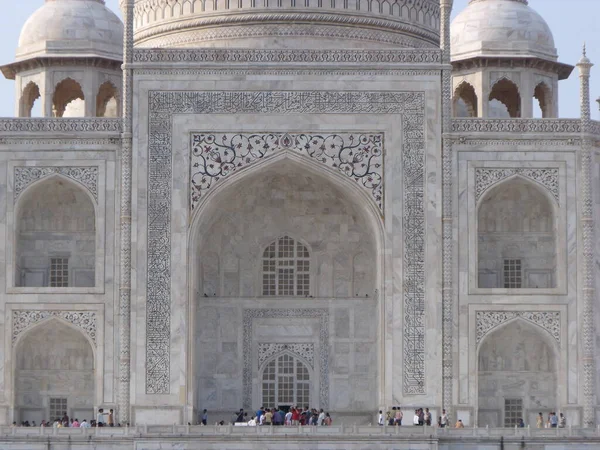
103 419
422 417
277 417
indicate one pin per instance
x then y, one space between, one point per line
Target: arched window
286 268
507 93
465 101
30 94
107 101
285 382
68 99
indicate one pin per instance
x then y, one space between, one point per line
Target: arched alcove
30 94
543 96
465 100
107 100
282 199
507 93
277 203
516 231
54 373
68 99
55 232
517 375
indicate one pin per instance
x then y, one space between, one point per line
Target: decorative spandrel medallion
215 156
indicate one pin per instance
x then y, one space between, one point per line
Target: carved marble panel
485 178
409 106
486 321
320 313
86 176
304 350
22 320
215 156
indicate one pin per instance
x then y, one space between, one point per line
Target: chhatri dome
501 28
69 56
72 28
504 61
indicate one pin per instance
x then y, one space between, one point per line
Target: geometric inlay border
320 313
24 319
486 321
163 105
485 178
215 156
25 175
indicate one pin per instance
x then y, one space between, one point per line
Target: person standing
444 419
204 419
539 421
380 418
398 418
427 417
321 418
562 421
111 418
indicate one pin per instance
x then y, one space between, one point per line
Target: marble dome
501 28
64 28
306 24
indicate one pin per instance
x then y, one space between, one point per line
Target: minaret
588 240
447 210
125 220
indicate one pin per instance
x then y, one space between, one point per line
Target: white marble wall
55 150
386 228
562 299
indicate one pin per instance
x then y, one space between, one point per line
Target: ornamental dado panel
516 125
318 313
410 107
359 156
488 320
25 175
61 125
305 351
22 320
485 178
279 56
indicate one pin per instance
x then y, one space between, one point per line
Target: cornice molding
60 125
516 126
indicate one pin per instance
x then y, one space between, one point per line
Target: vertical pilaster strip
588 244
125 218
447 211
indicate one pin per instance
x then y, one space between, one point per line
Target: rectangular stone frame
262 313
410 106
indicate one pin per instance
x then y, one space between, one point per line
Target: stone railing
516 125
60 125
291 432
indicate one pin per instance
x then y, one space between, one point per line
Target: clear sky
572 21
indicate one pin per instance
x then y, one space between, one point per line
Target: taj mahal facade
346 204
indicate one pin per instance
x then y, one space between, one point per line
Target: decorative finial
584 51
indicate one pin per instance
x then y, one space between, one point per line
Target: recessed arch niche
517 365
55 235
326 213
517 236
54 364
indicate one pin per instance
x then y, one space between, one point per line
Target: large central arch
331 309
